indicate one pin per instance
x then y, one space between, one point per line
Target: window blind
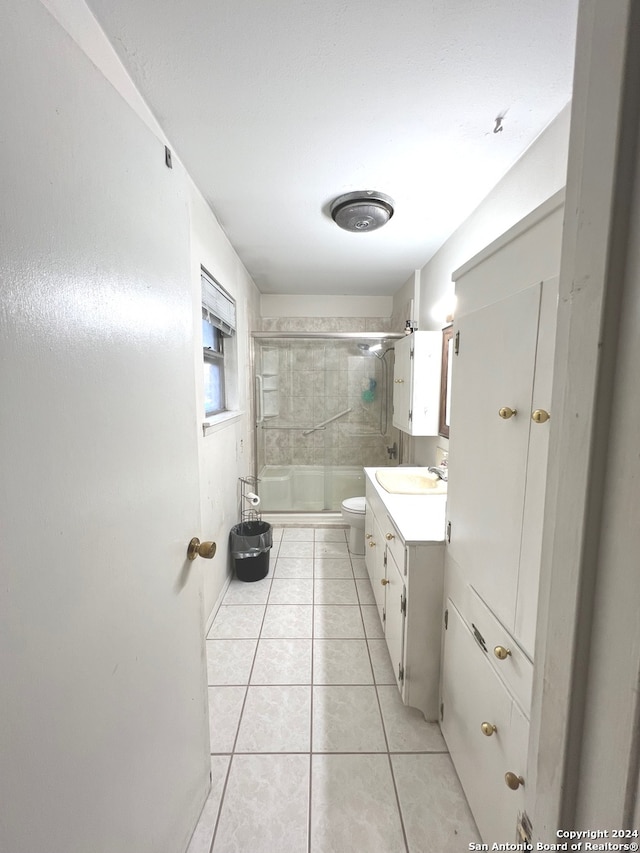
218 308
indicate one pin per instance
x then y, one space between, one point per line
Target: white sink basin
399 482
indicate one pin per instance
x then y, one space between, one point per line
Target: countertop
419 519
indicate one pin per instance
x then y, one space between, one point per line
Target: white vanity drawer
474 701
394 541
515 668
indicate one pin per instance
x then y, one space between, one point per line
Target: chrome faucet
442 472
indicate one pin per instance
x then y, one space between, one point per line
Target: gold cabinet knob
505 413
539 416
372 544
384 581
501 653
513 781
197 548
389 537
488 729
368 536
398 381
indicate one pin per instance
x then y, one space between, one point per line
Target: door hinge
441 711
524 828
384 615
448 531
456 345
403 603
446 620
384 559
410 353
410 415
400 672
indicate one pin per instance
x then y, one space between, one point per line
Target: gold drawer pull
384 581
540 416
389 537
501 653
398 381
513 781
368 536
505 413
488 729
372 544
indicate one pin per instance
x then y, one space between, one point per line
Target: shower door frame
299 335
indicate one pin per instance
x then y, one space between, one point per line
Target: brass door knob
513 781
384 581
488 729
505 413
501 653
540 416
389 537
200 549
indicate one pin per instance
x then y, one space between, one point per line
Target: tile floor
312 749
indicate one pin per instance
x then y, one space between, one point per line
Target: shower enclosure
323 411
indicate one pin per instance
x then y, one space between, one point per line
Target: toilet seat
357 505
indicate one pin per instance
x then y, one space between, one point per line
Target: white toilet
352 510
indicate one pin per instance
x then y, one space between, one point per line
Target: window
218 327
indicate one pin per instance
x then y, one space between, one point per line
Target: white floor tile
434 809
332 591
229 661
332 567
331 549
406 728
225 707
298 534
372 623
291 591
337 621
293 567
365 593
353 806
237 621
276 534
346 719
359 567
276 719
382 667
341 662
203 833
239 592
282 662
266 805
331 534
296 549
288 621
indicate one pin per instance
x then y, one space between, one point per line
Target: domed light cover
364 210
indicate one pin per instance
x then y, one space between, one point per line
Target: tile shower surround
316 380
312 749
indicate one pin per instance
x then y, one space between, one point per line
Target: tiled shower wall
316 380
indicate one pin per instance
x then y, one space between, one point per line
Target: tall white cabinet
500 420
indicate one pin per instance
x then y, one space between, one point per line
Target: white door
494 370
103 739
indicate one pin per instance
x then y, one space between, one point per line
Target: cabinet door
376 546
402 383
472 694
395 619
488 461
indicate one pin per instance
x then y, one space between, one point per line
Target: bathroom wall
537 175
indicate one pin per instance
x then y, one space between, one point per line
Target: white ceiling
278 106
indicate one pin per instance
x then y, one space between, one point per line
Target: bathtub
308 488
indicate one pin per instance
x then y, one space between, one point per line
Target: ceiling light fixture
364 210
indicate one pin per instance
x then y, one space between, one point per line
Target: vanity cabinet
504 335
404 555
416 383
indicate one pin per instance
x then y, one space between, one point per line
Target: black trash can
250 543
